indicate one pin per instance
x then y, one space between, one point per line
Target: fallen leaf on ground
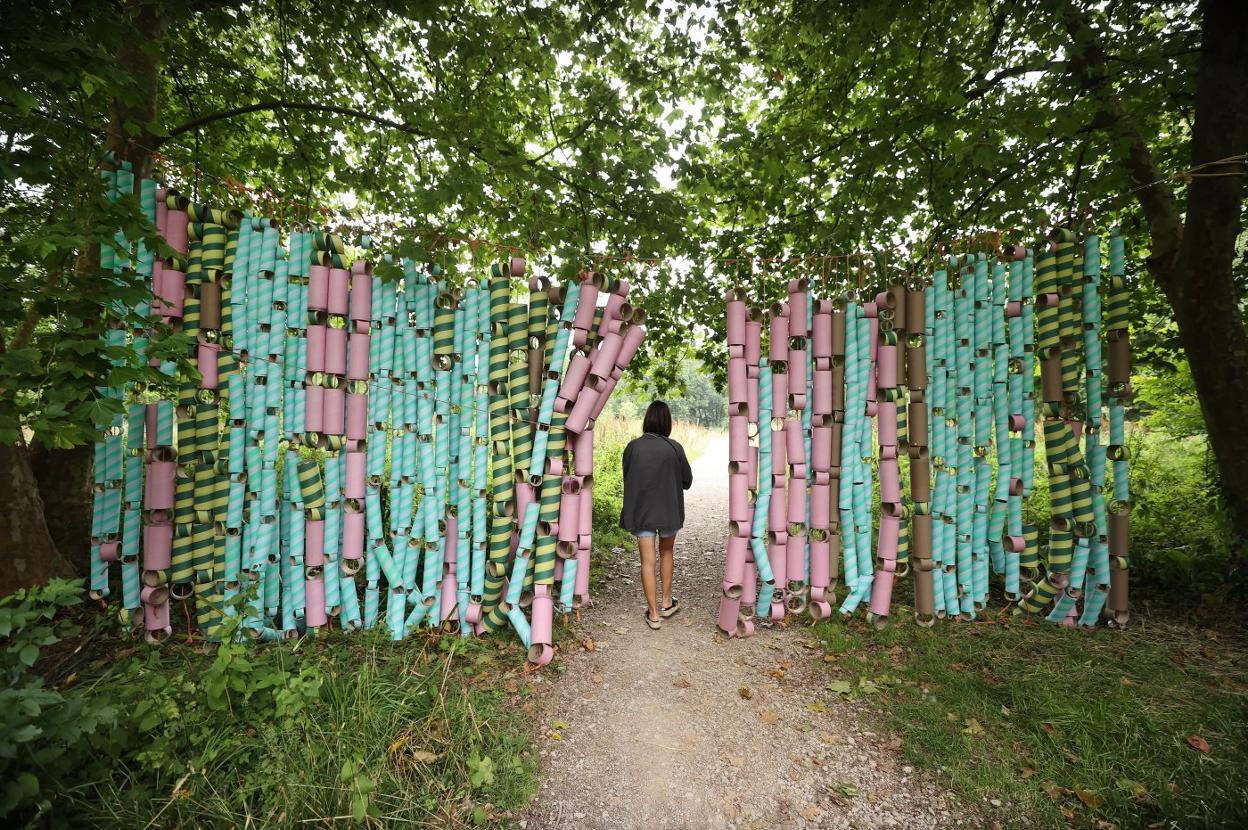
745 693
777 672
1027 772
769 717
681 683
621 631
588 644
973 727
841 687
829 658
1136 790
1089 797
817 706
1198 743
828 737
811 813
895 744
1048 727
421 756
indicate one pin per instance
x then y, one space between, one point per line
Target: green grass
1065 728
428 732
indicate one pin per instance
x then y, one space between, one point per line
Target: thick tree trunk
1200 284
64 480
30 557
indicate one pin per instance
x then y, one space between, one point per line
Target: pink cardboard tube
314 416
777 611
569 517
795 441
336 299
583 452
172 293
314 601
448 599
582 572
738 439
207 365
820 571
357 417
751 395
357 366
795 553
334 419
778 338
582 410
882 593
316 347
604 359
738 498
820 511
822 398
1013 308
156 621
356 475
821 336
452 541
727 617
736 381
318 287
352 535
797 372
777 509
516 266
736 323
610 312
886 547
574 378
632 342
473 613
734 565
753 342
887 368
777 553
157 546
797 308
361 291
585 304
604 394
779 458
585 501
524 497
887 424
779 395
110 551
314 543
749 587
1017 422
336 351
890 482
158 488
873 326
542 623
176 230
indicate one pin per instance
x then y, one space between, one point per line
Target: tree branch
1155 195
305 106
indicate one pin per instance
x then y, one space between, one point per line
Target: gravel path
681 729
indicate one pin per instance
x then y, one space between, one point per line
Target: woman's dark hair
658 419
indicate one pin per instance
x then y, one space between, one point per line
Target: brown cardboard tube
897 296
835 457
921 539
916 367
834 556
1051 378
838 331
838 387
1119 357
920 475
915 310
1120 534
916 423
1118 599
210 306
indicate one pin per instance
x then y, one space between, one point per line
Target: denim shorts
662 534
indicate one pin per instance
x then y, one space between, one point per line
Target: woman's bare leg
667 556
645 545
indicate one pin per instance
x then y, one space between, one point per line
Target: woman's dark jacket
656 475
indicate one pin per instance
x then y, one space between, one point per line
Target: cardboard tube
1119 358
738 440
337 294
736 323
890 482
357 368
734 565
753 338
736 381
738 499
778 334
886 367
726 620
157 546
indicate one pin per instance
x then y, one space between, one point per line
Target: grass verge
340 730
1146 727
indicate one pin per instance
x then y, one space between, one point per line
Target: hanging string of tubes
321 356
946 373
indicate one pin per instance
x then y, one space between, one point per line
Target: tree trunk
1199 283
30 556
64 480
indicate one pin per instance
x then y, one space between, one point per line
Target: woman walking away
656 476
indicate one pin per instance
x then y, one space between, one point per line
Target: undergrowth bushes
336 729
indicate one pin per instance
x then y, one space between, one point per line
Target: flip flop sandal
655 625
671 609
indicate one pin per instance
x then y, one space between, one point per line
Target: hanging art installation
412 437
943 376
